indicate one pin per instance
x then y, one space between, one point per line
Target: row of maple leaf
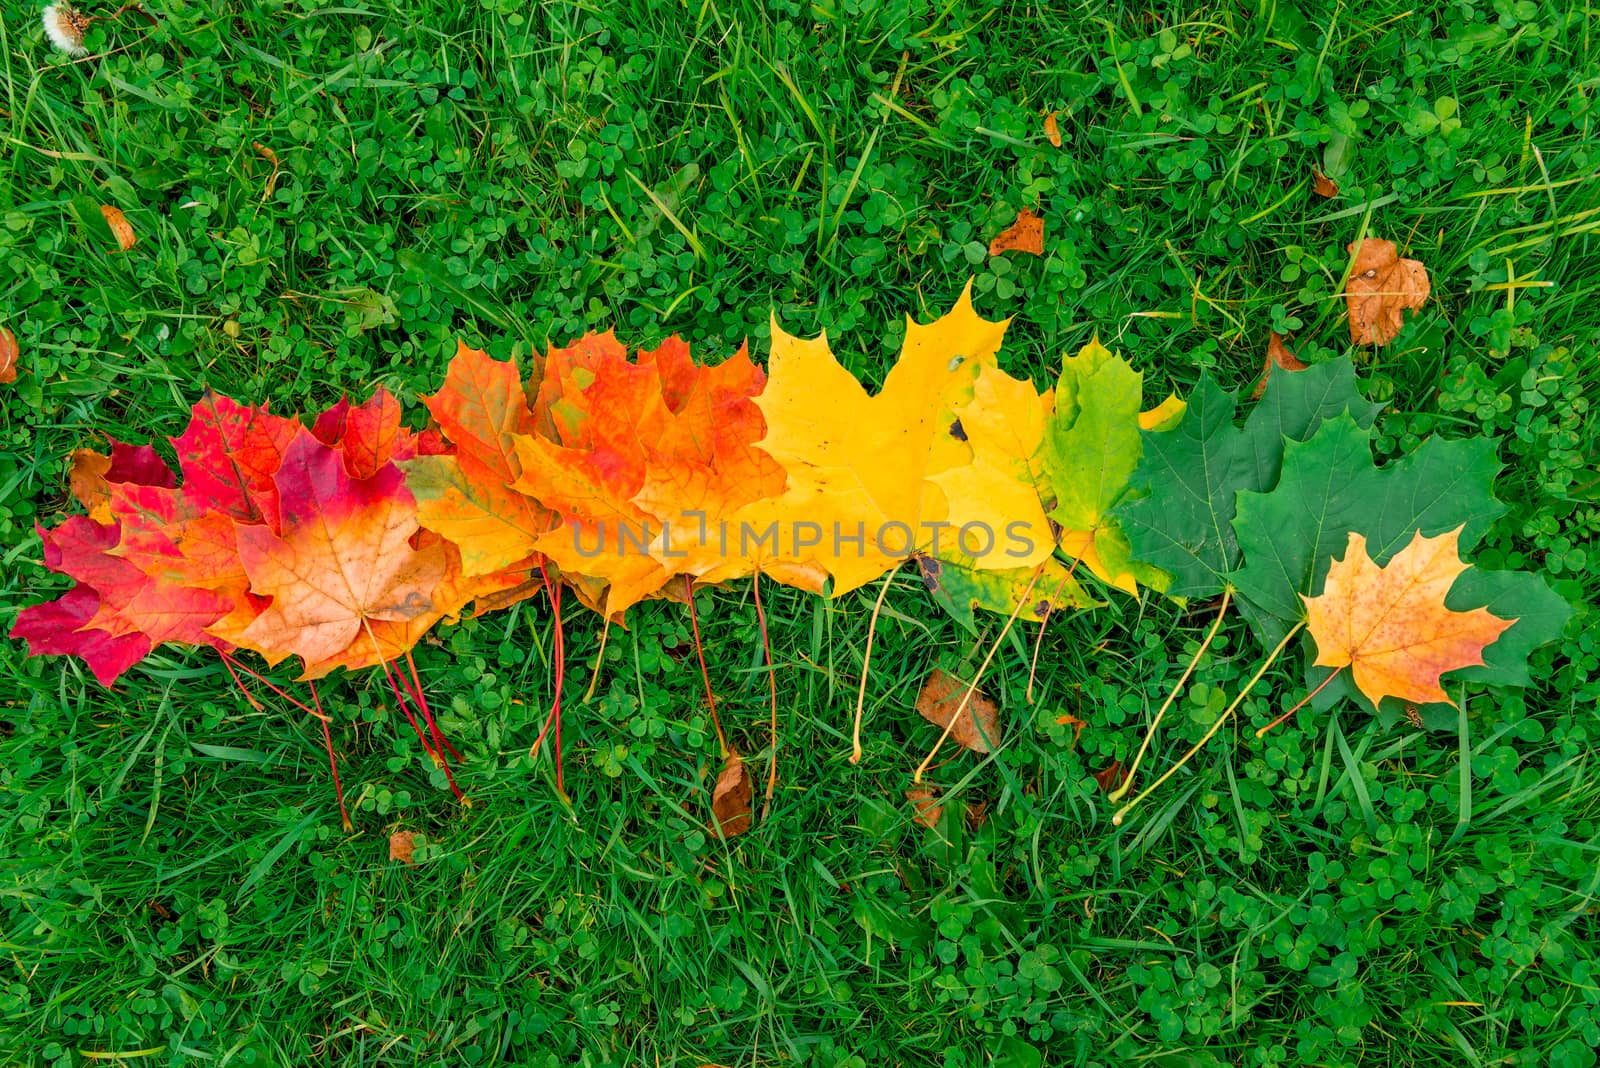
622 479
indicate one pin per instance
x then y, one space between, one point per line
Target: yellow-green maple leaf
1091 447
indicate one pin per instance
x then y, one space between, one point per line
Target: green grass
174 884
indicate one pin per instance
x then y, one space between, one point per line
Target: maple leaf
342 561
978 725
369 435
1380 288
1322 185
1390 625
1189 476
645 461
468 496
65 626
1024 235
228 455
860 464
1091 450
989 465
92 473
1330 487
143 580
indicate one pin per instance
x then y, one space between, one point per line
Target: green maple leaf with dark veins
1189 477
1330 487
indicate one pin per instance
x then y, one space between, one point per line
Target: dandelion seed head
65 28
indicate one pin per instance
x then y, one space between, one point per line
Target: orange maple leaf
343 561
644 459
1390 623
468 497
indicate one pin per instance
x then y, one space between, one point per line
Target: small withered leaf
1024 235
1111 776
730 798
926 807
1278 355
9 354
1381 288
403 847
977 727
121 229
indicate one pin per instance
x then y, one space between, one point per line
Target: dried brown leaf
1024 235
926 807
730 799
1278 355
9 354
403 846
941 698
1322 185
1110 777
1052 129
121 229
1381 287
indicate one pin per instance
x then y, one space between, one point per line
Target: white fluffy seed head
65 28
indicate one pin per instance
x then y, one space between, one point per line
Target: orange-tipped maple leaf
343 560
644 461
467 496
1390 623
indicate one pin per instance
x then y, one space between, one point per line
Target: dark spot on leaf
931 570
1041 609
958 431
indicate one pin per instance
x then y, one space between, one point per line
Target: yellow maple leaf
861 493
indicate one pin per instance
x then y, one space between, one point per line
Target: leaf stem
327 740
866 662
558 651
1127 783
1300 704
1044 621
1244 691
594 677
414 688
699 651
227 662
772 684
439 760
232 664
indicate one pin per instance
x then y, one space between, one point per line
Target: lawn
326 197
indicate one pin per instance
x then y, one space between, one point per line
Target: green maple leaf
1189 477
1330 487
1092 446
